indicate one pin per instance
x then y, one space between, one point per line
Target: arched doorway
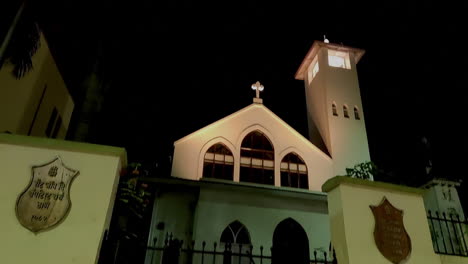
290 243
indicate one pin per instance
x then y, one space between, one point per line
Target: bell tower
334 108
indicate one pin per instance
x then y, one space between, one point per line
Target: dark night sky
173 67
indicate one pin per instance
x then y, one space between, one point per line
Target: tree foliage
365 170
133 195
131 218
24 44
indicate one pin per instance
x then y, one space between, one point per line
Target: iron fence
175 251
449 234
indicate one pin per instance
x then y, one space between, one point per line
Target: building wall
260 213
173 213
345 138
317 108
202 213
21 98
189 151
78 238
348 136
443 197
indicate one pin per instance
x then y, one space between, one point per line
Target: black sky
172 67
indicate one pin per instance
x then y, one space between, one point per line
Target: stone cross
258 88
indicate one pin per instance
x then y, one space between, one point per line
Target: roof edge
358 53
291 129
65 145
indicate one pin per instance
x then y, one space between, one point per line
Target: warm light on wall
313 69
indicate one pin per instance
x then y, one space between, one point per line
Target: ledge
58 144
239 186
338 180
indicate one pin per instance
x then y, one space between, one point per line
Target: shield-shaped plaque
390 235
46 200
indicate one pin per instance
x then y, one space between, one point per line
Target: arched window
294 172
335 112
257 159
356 113
237 237
218 163
345 111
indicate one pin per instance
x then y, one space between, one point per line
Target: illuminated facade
252 170
334 107
252 176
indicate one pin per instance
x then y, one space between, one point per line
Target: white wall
317 108
442 196
189 151
175 208
77 239
260 212
345 138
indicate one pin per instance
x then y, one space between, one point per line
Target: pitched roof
244 111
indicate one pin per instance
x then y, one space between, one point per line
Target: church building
250 179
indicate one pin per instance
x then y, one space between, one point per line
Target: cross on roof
258 88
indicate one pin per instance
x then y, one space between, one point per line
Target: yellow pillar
352 222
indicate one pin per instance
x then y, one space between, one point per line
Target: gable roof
244 111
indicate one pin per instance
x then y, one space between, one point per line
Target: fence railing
449 233
174 251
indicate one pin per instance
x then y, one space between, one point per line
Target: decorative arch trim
288 150
252 128
209 144
236 232
257 162
295 175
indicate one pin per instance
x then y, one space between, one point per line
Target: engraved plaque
390 235
46 200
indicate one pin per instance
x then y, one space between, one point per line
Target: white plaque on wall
46 200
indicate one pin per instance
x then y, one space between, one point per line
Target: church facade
250 179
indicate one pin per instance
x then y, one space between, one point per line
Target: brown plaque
390 235
46 200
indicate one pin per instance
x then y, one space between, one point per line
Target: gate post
376 222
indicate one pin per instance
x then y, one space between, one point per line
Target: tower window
335 112
294 172
338 59
313 69
345 111
356 113
218 163
257 159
